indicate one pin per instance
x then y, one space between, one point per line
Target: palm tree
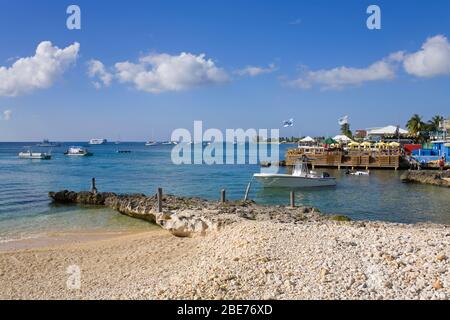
415 124
434 123
345 130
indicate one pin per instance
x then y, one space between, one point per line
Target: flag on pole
288 123
343 120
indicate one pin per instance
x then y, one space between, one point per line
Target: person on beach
441 164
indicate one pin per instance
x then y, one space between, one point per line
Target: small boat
78 151
301 177
123 151
169 143
97 141
359 173
47 144
151 143
29 154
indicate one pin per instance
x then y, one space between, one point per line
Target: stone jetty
432 177
187 217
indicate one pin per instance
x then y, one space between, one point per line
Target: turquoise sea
25 209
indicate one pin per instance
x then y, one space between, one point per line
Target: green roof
329 141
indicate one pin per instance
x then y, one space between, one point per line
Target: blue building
438 150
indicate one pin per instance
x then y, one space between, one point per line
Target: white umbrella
307 139
342 138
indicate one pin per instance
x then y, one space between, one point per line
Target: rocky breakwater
187 217
432 177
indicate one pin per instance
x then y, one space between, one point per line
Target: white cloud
340 77
37 72
157 73
253 71
7 114
97 69
432 60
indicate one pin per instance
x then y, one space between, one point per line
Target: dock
366 159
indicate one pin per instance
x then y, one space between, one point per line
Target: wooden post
292 199
93 188
159 197
222 196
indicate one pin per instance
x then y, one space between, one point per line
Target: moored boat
169 143
78 151
301 177
47 144
29 154
151 143
358 173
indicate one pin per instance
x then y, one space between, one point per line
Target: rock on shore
187 217
432 177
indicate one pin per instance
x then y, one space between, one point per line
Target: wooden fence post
222 196
159 196
93 187
292 199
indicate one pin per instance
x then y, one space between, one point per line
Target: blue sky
283 41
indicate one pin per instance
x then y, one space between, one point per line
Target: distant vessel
29 154
117 141
300 178
47 144
78 151
98 141
169 142
151 143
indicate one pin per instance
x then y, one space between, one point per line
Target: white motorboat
78 152
29 154
301 177
360 173
151 143
97 141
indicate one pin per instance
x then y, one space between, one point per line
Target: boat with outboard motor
301 177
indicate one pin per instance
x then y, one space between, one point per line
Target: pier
366 159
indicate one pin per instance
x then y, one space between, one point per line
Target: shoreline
55 239
250 260
311 257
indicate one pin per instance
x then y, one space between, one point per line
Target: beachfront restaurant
436 151
381 134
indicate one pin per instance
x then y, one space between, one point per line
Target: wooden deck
352 159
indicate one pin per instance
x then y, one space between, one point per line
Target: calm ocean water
25 208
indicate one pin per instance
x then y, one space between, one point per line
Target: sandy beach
321 259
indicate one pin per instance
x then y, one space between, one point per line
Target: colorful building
437 150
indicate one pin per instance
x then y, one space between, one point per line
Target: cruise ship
98 141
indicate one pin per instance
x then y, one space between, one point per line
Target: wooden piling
222 196
159 197
292 196
93 187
